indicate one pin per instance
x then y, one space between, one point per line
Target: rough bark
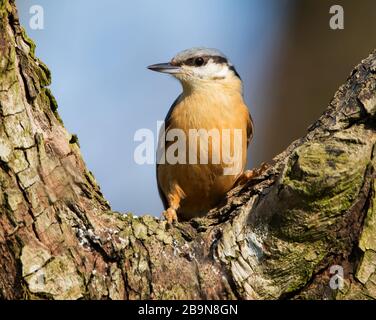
276 237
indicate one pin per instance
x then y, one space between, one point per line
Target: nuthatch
212 98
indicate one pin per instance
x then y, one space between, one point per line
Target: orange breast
219 127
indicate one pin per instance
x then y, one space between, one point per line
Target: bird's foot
170 215
251 174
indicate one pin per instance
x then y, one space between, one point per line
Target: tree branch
277 237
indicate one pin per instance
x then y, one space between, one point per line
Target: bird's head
198 67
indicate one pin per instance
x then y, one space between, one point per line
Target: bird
211 98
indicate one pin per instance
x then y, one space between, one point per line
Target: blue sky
98 52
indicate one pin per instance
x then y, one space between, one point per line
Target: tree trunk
276 237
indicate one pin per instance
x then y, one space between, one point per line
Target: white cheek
212 70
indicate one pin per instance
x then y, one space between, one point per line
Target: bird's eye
199 61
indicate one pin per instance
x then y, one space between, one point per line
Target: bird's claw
170 215
251 174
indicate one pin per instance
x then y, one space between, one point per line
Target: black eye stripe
234 70
215 59
219 59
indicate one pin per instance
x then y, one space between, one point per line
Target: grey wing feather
167 123
250 129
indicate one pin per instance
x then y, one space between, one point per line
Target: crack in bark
261 242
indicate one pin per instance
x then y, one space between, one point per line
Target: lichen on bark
276 237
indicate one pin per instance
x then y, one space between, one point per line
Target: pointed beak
165 68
